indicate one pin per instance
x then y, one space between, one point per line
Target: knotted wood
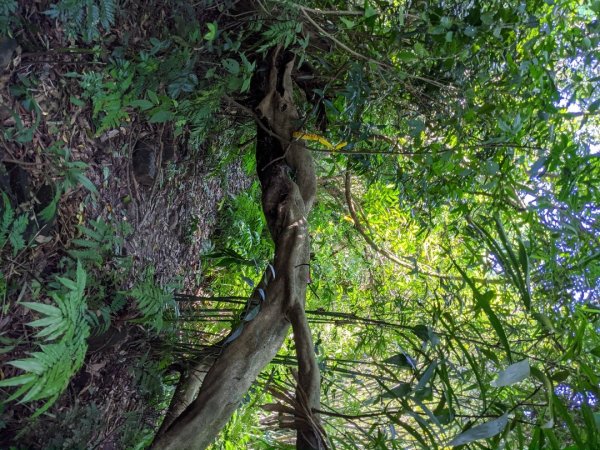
286 172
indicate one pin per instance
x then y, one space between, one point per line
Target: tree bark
250 347
186 391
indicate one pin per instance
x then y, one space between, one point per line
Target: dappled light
315 225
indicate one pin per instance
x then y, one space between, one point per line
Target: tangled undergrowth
104 212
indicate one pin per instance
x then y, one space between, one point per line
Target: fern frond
8 8
285 33
152 300
82 17
12 228
7 219
107 13
86 255
7 216
16 235
47 372
63 320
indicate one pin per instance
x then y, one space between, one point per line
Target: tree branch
280 295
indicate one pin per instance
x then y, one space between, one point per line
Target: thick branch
185 393
250 347
241 360
308 390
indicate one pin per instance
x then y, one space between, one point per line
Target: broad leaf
483 431
512 374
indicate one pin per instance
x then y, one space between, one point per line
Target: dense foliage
456 266
468 307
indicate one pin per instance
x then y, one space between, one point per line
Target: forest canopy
410 187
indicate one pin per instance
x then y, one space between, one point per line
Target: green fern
107 13
152 300
97 241
199 112
8 16
109 92
11 228
66 320
7 217
101 319
286 33
8 7
70 175
47 372
98 244
84 17
16 235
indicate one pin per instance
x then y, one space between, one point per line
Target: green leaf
370 11
470 31
563 412
16 235
524 261
544 321
406 56
399 391
246 84
86 183
81 278
47 214
54 331
29 365
41 410
347 22
427 411
484 302
161 116
86 255
69 284
414 433
212 31
153 97
512 374
85 243
18 380
426 376
49 310
76 101
33 393
142 104
401 360
592 425
553 440
483 431
45 321
232 66
421 331
560 375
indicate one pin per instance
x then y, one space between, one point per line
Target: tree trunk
286 203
